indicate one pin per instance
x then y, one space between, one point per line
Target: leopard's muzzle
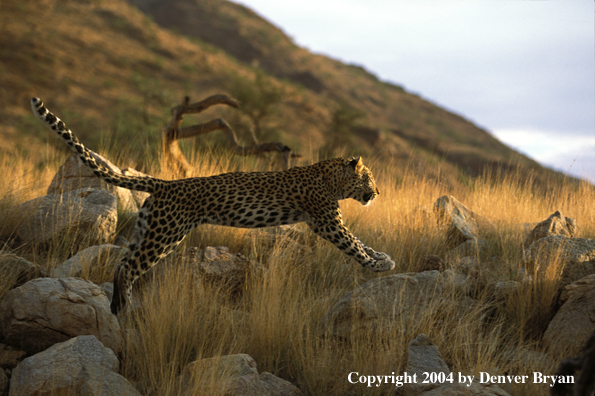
371 196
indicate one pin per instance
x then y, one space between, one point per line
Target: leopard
309 194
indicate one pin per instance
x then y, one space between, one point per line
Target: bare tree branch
173 132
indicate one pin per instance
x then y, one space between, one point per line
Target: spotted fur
249 200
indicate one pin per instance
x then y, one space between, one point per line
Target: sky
524 70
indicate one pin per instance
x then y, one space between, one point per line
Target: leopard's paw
385 264
380 256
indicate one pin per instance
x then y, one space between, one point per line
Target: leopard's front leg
373 253
339 235
382 261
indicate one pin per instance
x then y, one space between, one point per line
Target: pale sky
523 70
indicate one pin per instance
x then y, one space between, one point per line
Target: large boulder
81 366
102 258
381 302
10 357
430 263
86 214
517 359
575 256
581 368
232 375
501 291
138 196
556 224
3 383
74 175
463 224
15 270
46 311
569 330
423 357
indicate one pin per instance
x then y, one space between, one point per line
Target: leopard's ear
356 163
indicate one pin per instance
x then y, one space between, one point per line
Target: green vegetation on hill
114 72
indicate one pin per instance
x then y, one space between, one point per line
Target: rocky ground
58 335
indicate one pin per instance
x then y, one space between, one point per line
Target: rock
471 267
462 284
381 302
178 267
46 311
430 263
10 357
272 385
463 390
212 264
3 383
583 364
74 175
138 196
524 229
108 289
102 258
463 224
519 359
217 264
501 290
233 375
86 214
551 247
121 241
81 366
576 257
576 287
574 322
556 224
423 357
15 270
485 273
231 366
463 276
471 247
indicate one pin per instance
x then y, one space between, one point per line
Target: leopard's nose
377 191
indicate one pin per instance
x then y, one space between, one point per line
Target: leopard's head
360 184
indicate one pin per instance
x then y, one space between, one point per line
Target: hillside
477 281
114 72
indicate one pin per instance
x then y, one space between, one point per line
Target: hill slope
112 71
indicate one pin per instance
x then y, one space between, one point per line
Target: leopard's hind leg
155 235
123 276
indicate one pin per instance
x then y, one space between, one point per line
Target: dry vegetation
113 74
275 317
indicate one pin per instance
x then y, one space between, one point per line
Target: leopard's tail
138 183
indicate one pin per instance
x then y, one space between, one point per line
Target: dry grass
275 318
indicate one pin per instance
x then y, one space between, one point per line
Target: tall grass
276 315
